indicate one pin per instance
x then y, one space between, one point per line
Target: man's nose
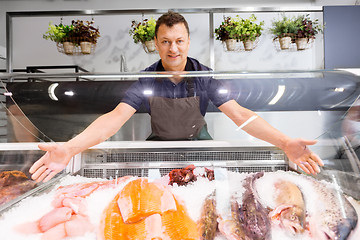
173 47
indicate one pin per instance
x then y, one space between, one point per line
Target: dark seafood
290 208
252 214
232 227
208 219
186 175
13 184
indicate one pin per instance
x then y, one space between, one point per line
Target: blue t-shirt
206 88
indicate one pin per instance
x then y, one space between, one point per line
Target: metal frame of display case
209 11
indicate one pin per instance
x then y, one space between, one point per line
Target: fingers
310 165
317 159
38 173
307 168
36 165
50 176
314 166
43 175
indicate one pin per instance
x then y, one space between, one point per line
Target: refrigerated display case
320 105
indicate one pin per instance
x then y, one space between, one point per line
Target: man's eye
180 41
165 42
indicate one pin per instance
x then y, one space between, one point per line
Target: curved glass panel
218 180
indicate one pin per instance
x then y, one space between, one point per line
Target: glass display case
219 188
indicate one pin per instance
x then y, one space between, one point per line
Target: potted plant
61 34
284 30
306 30
250 31
85 35
144 32
228 32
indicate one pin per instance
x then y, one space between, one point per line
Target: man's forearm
258 127
261 129
101 129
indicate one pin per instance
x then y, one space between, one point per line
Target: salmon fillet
151 212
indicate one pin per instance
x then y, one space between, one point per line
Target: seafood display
229 206
290 207
253 215
13 184
144 210
187 175
208 220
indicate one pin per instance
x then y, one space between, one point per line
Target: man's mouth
173 56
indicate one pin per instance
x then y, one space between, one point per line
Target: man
177 117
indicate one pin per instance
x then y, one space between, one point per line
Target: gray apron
177 119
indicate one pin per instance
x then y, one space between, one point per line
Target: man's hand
53 162
298 152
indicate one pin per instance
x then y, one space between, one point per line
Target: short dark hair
170 19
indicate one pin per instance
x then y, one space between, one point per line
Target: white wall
31 49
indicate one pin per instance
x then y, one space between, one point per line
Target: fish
208 218
252 214
335 217
140 199
290 207
232 227
82 190
146 210
69 216
328 213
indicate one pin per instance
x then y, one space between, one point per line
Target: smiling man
177 107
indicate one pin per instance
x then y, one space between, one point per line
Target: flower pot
249 45
301 43
150 46
85 47
230 44
68 47
285 43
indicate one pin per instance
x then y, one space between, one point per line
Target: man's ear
156 44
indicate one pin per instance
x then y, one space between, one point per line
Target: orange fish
148 211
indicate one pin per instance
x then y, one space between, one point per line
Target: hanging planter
144 32
285 43
301 43
231 44
150 46
85 47
295 34
76 39
68 47
250 32
233 31
249 45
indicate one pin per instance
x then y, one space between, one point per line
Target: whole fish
290 207
208 219
334 218
253 215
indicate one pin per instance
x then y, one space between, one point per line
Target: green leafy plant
143 31
249 30
307 28
58 33
284 27
228 29
84 31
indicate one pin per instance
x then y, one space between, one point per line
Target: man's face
173 45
